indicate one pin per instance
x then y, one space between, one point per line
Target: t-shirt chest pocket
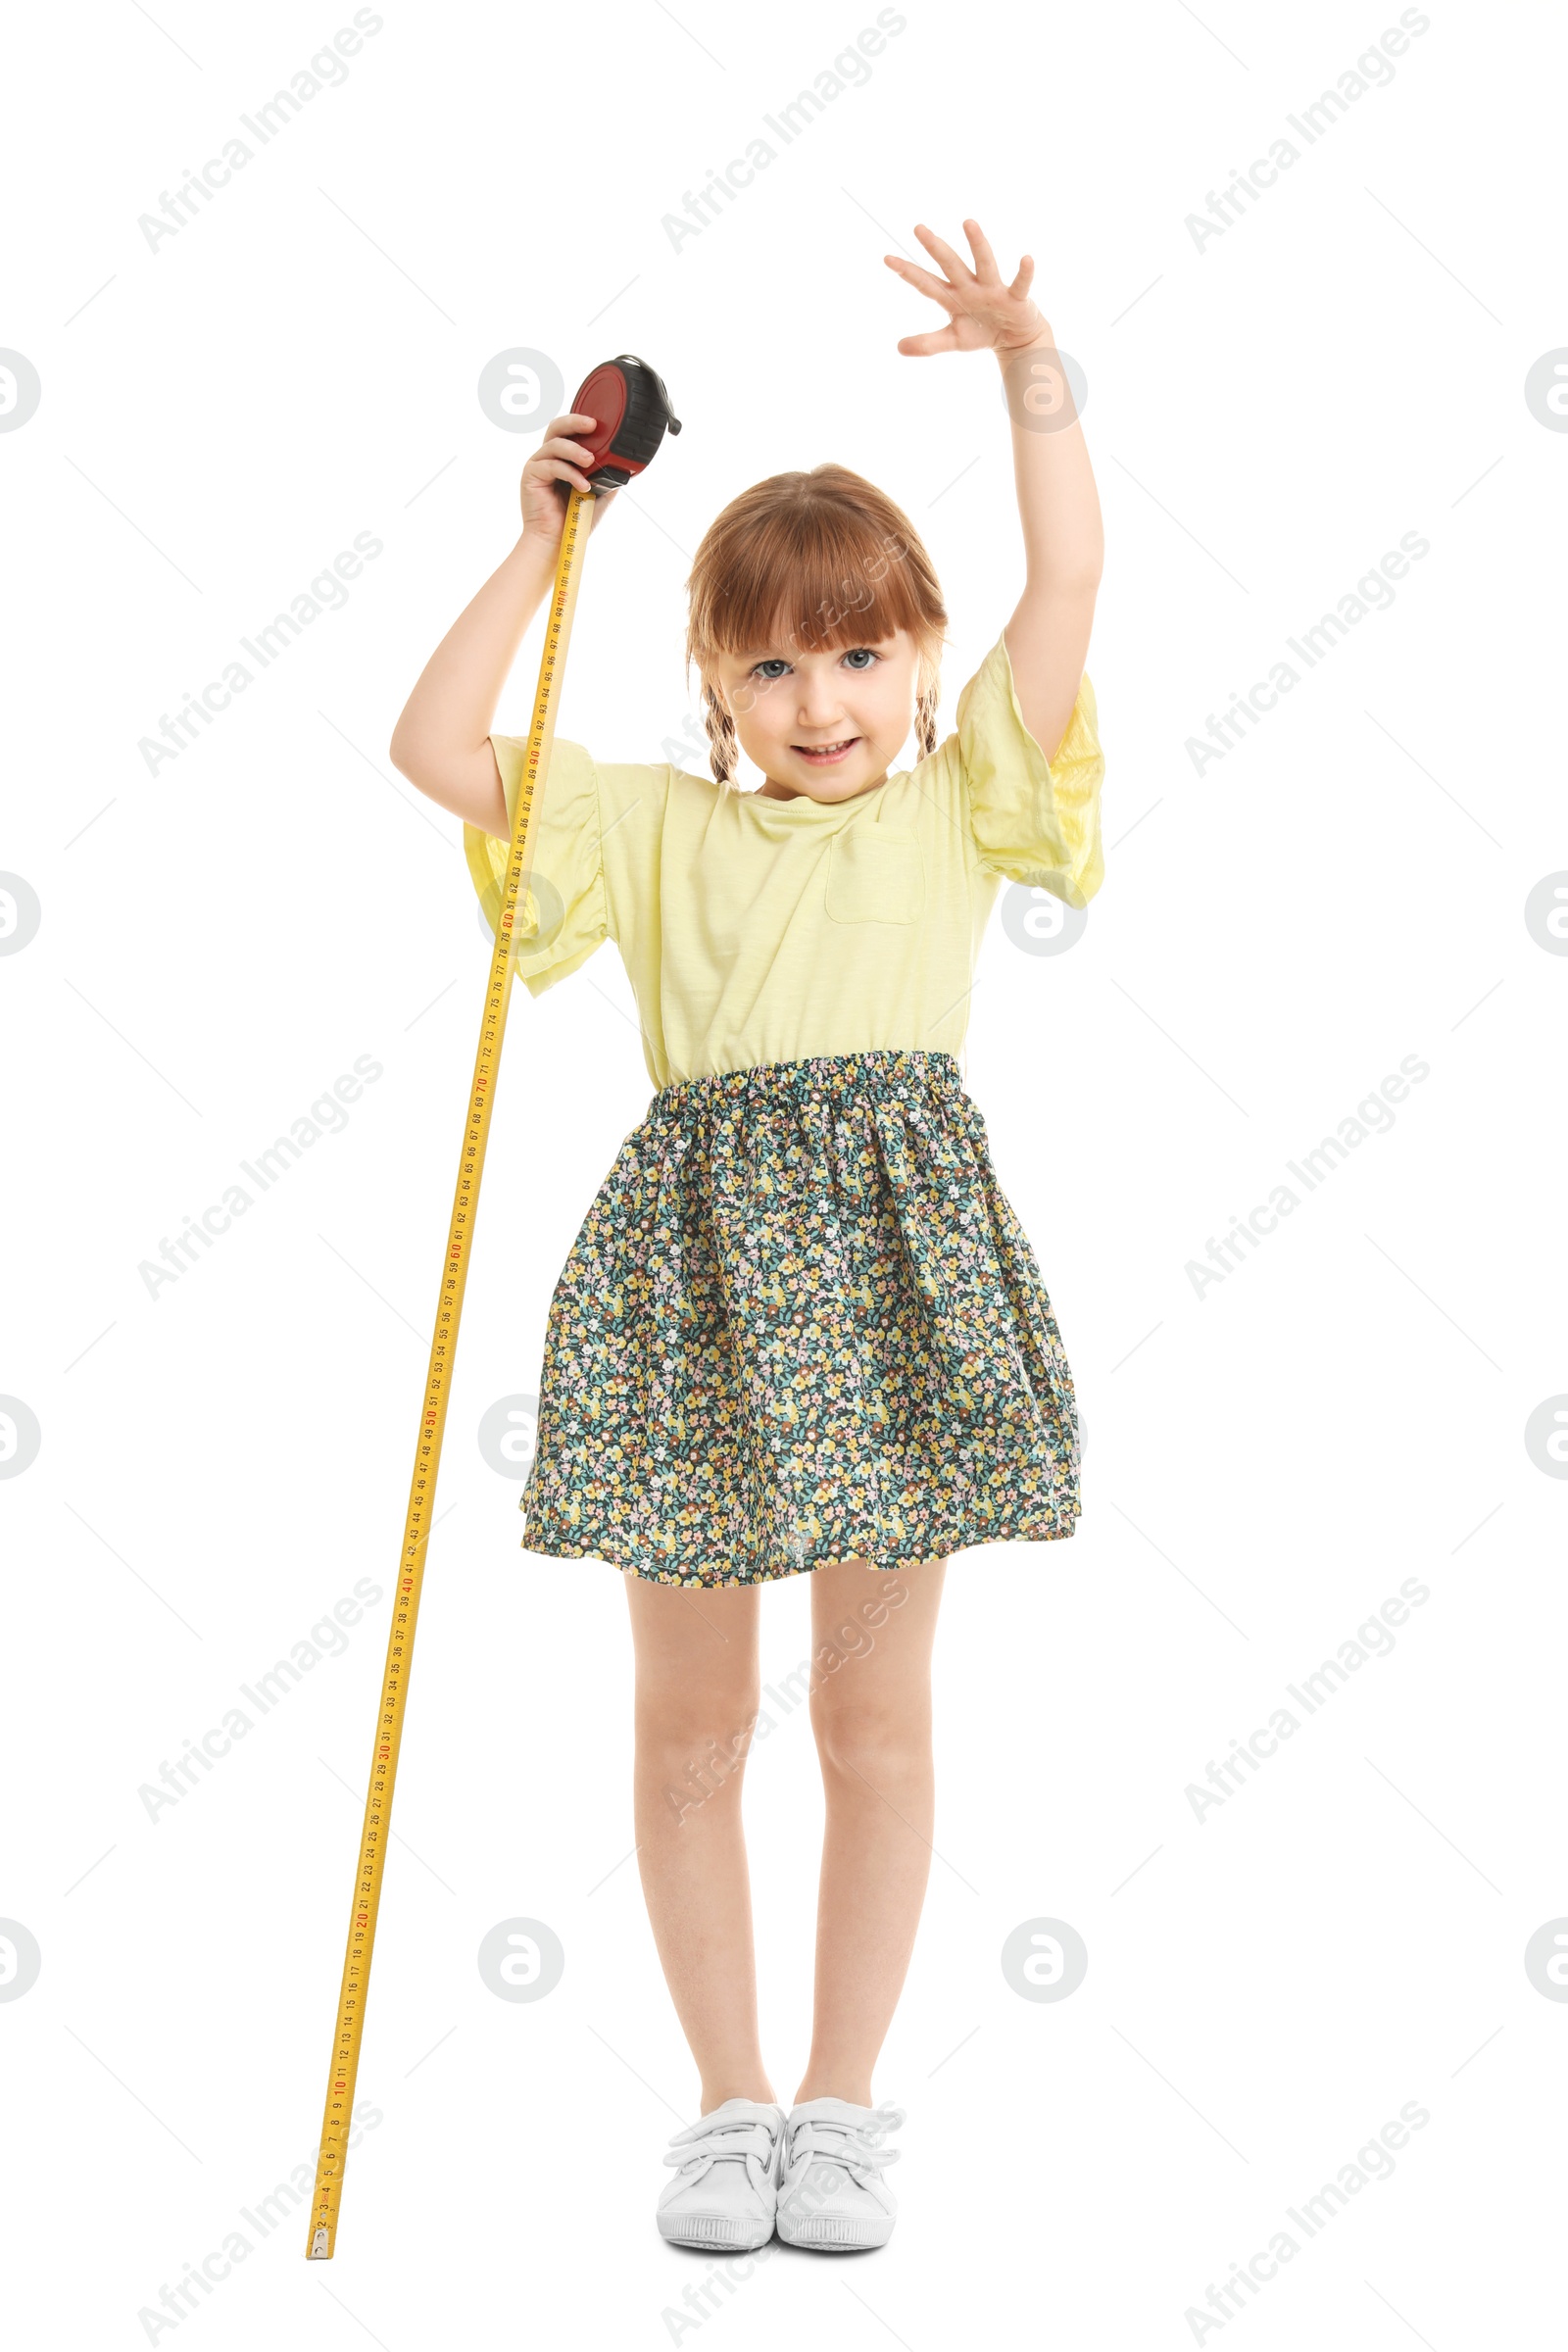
875 874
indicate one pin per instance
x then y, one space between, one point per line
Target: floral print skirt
802 1324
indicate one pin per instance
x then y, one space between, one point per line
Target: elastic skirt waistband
895 1070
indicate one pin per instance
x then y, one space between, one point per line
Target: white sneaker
726 2189
831 2195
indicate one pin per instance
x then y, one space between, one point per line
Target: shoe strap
714 2138
851 2144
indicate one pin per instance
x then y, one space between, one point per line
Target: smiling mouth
822 752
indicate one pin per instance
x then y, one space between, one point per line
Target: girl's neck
769 791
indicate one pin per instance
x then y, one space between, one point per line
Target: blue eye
775 663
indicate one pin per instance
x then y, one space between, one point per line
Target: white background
1265 1463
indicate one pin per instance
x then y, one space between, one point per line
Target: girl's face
824 723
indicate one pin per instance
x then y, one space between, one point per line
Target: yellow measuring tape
333 2152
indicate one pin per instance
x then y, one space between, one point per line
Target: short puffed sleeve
562 910
1033 819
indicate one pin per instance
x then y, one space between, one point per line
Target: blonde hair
806 558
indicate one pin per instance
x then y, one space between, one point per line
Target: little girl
801 1331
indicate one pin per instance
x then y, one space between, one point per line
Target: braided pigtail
723 750
925 719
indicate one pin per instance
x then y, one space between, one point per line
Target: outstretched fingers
985 259
920 347
922 281
958 271
975 300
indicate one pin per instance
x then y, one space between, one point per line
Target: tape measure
631 411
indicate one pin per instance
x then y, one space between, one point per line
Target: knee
687 1731
862 1738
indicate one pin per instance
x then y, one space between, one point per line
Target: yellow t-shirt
757 930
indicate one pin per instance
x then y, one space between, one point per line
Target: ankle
737 2086
851 2089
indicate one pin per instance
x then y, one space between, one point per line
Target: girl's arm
442 741
1063 539
1048 636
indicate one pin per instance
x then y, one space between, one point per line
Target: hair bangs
811 562
820 578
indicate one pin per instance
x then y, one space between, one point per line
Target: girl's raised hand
557 459
983 314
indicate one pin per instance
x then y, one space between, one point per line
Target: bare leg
698 1694
871 1714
